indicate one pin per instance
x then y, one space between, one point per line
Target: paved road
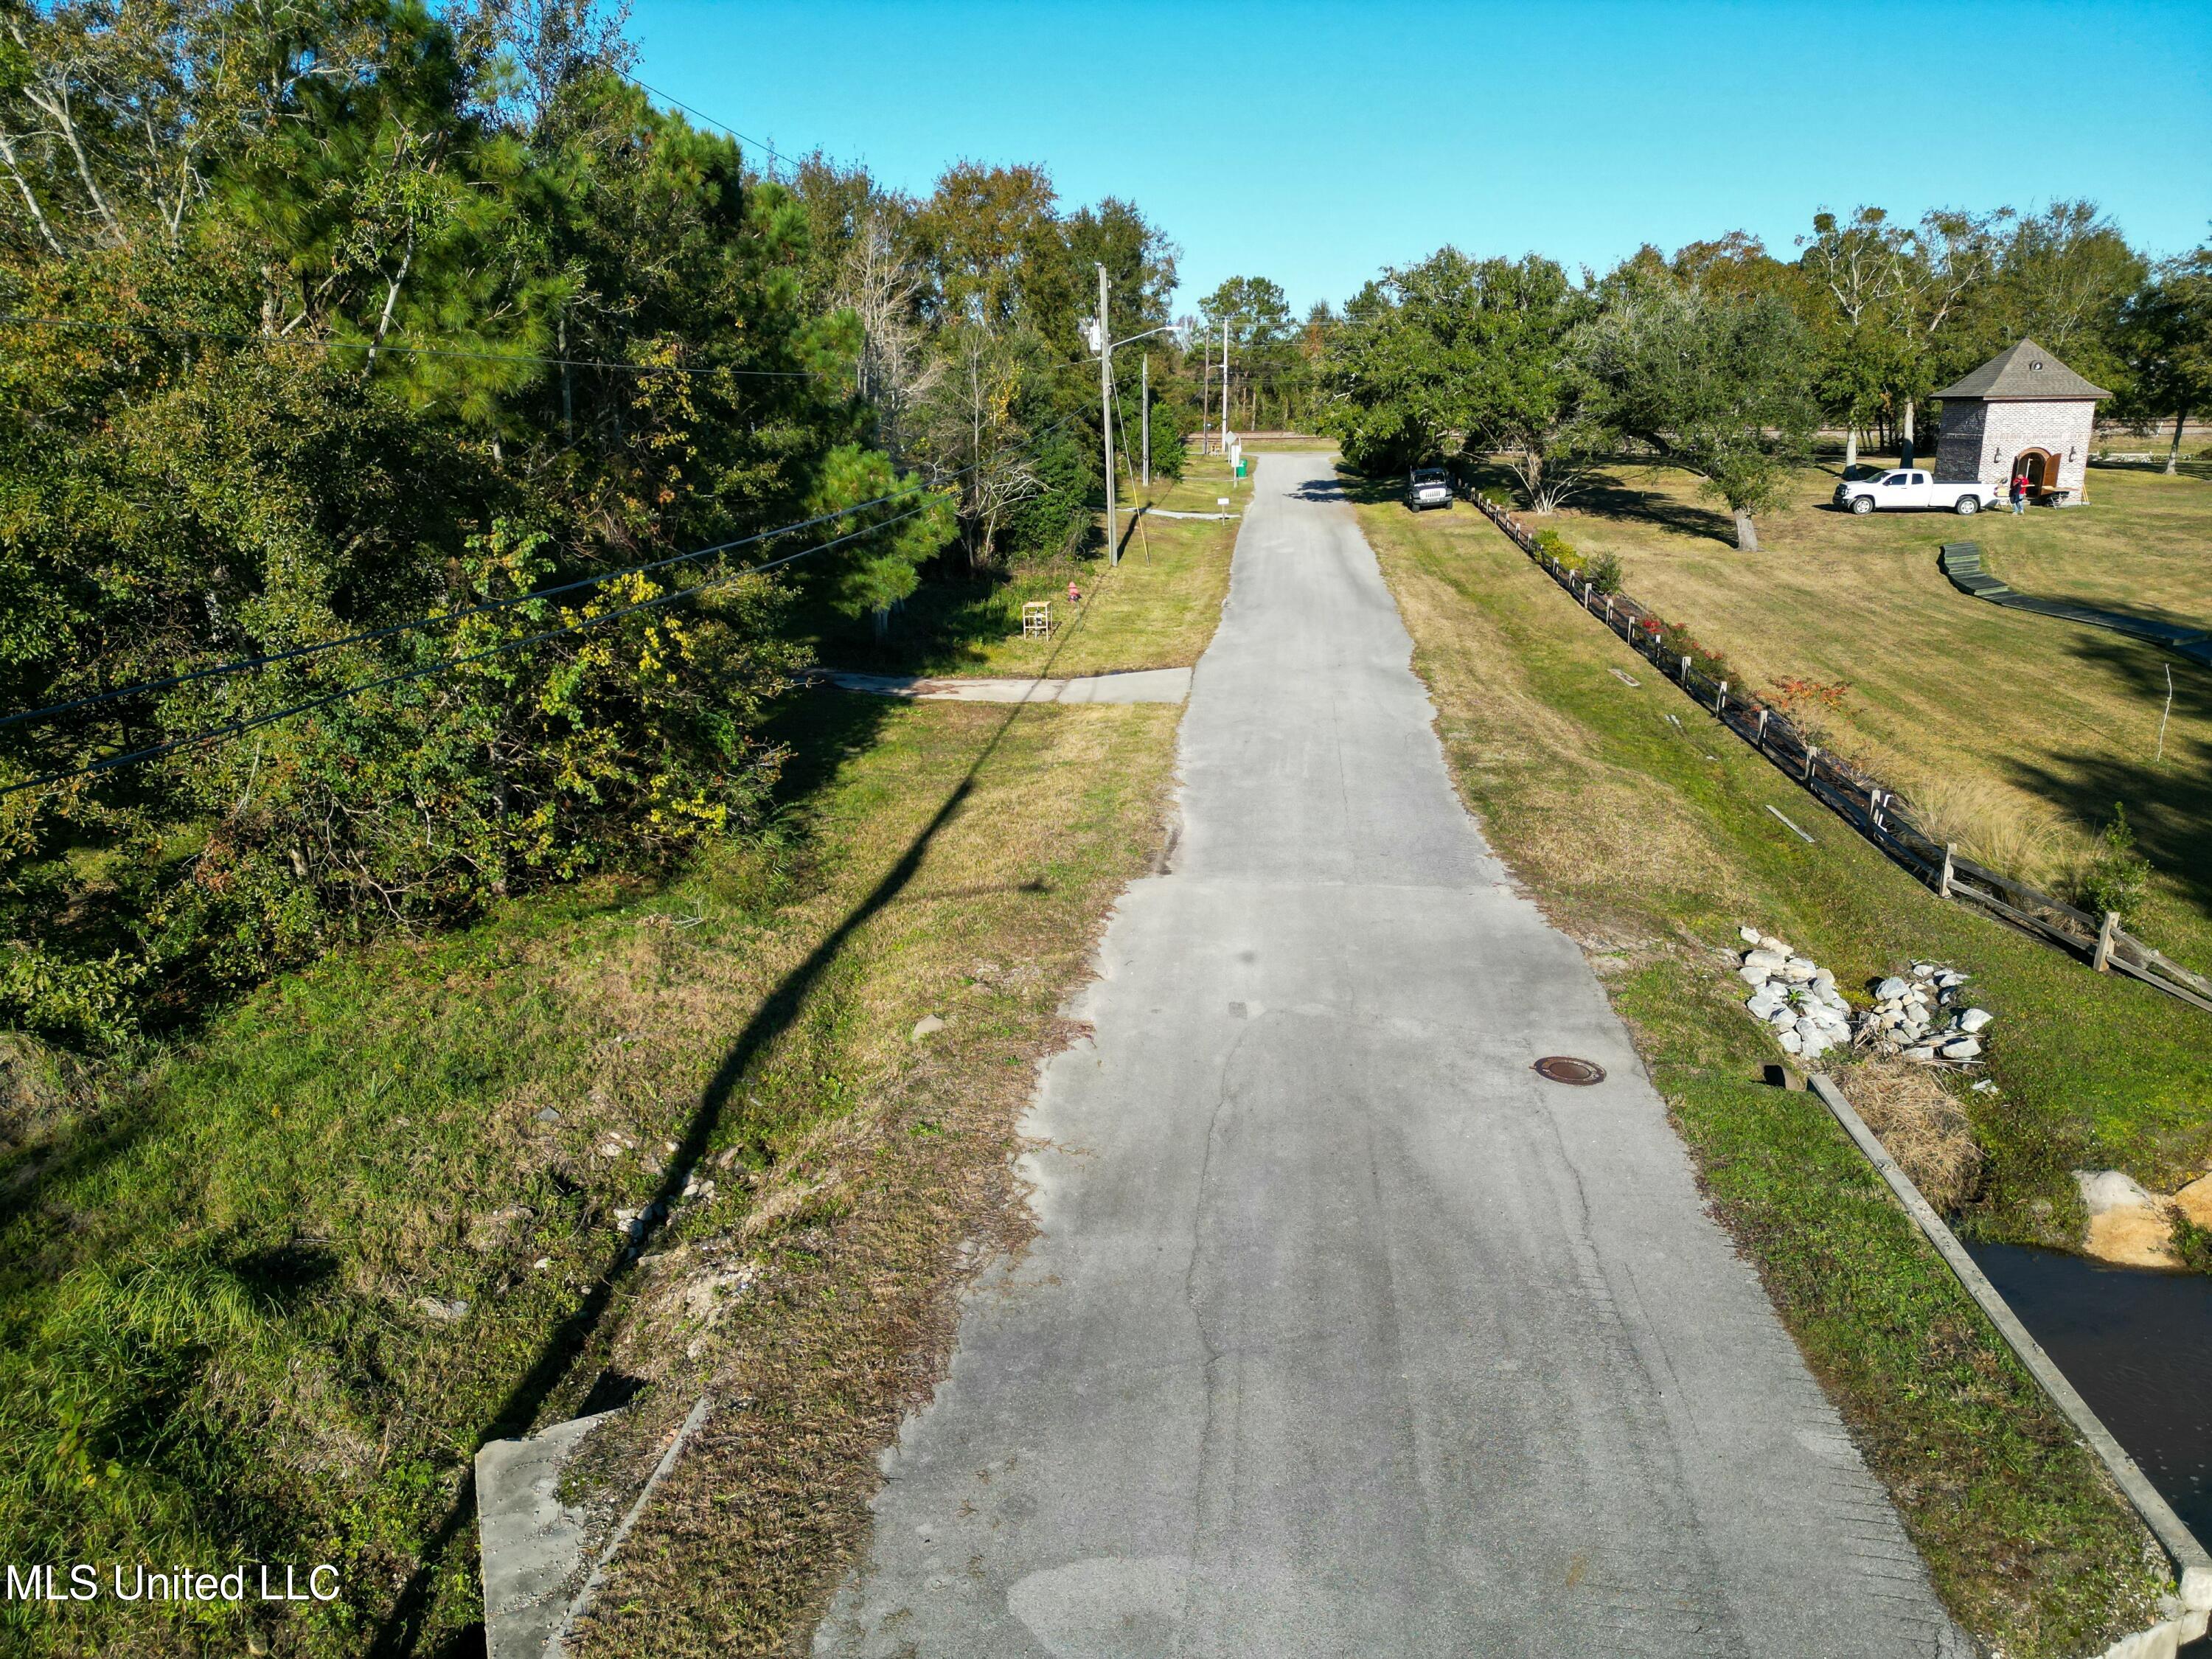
1345 1333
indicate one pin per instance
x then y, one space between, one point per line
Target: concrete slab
1345 1333
533 1545
1142 685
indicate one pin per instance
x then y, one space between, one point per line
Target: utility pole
1144 404
1106 413
1225 384
1205 395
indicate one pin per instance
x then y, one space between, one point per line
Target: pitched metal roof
2025 372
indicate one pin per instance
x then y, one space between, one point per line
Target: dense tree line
318 317
970 304
1725 359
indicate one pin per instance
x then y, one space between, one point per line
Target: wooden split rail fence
1862 802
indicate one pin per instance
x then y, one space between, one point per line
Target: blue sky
1314 143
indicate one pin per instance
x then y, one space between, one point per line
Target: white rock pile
1795 995
1920 1018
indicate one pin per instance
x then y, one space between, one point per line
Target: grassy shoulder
2014 734
1155 609
262 1300
1650 842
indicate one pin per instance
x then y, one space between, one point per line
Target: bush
1052 524
1603 573
2117 877
1560 550
1676 641
1172 425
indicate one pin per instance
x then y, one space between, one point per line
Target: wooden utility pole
1205 395
1225 385
1106 413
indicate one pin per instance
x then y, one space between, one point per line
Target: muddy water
2139 1346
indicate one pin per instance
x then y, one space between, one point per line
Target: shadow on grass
58 1162
1608 496
843 722
952 619
2169 802
2158 616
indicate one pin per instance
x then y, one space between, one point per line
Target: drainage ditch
2137 1344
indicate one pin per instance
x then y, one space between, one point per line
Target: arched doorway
2040 467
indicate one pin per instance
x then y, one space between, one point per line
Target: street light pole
1106 413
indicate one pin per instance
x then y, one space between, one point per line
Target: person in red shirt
1074 594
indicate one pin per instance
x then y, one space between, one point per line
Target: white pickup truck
1910 488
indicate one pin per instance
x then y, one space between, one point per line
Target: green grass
2014 734
1651 843
220 1336
1156 609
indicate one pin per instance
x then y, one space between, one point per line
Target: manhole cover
1565 1068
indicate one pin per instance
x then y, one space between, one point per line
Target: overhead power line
440 619
701 115
230 730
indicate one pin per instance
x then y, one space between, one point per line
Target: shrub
1676 641
2117 877
2193 1245
1809 703
1603 572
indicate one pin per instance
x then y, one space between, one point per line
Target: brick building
2021 414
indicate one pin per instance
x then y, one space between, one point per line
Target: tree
1261 347
1477 350
1846 272
992 241
2167 332
1717 387
1526 394
1936 269
2063 277
313 260
1389 395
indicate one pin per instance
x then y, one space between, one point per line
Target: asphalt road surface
1345 1333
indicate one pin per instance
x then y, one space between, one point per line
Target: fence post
1762 731
1720 699
1608 610
2103 960
1686 668
1874 804
1943 885
1811 750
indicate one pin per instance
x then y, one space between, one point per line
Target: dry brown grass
2015 732
1922 1124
